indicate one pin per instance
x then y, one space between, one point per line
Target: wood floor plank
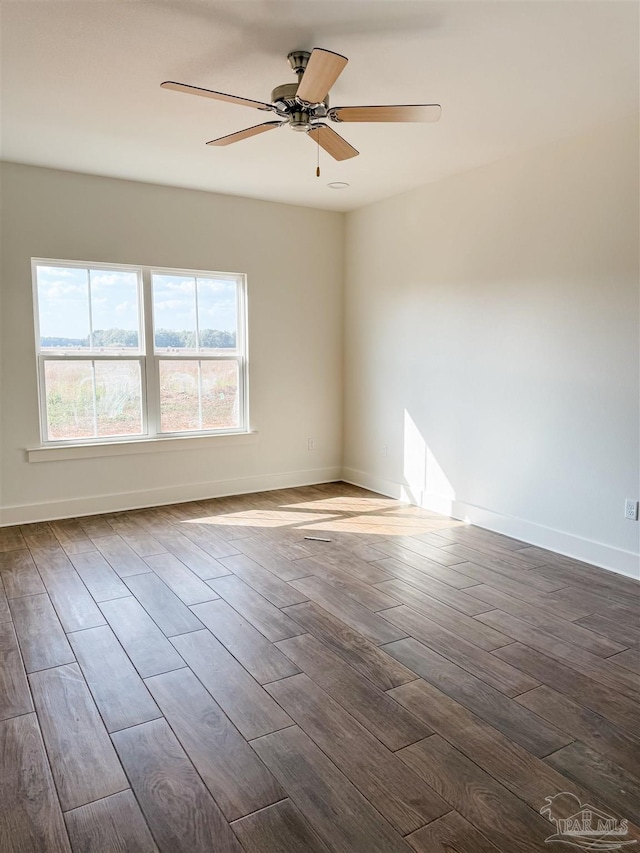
258 656
98 576
116 687
42 640
43 539
629 659
11 539
144 544
450 834
175 801
195 553
371 597
526 776
495 812
551 624
369 624
332 805
270 558
618 709
278 829
599 774
71 537
31 819
275 590
266 617
246 703
613 629
147 647
236 778
492 706
511 563
19 574
511 554
583 724
592 602
464 626
15 697
612 676
466 533
83 762
462 601
519 588
217 535
357 695
114 824
95 525
475 660
602 582
425 549
369 659
182 581
74 605
123 559
399 796
5 613
170 614
344 563
427 565
543 602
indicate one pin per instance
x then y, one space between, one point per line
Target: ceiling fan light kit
303 105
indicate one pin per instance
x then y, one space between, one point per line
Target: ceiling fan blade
332 142
217 96
415 112
322 71
246 133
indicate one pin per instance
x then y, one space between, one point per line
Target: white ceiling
80 87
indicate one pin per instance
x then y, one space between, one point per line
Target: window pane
118 398
174 313
69 395
179 403
63 307
220 401
217 315
115 315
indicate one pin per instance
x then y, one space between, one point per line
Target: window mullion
199 394
95 398
195 285
151 372
90 310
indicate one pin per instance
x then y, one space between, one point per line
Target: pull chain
318 162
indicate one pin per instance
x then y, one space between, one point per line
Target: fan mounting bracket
298 60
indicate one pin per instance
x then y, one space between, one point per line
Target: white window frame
147 357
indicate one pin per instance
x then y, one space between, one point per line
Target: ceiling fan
304 104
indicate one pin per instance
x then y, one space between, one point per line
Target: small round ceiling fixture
338 185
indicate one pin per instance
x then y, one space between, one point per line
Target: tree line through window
132 351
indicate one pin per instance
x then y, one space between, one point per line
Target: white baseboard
28 513
589 551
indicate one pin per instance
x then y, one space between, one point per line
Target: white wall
492 343
293 259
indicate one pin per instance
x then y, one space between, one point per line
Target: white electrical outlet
311 445
384 449
631 509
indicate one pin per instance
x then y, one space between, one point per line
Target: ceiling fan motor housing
300 116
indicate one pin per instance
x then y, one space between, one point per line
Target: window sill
59 452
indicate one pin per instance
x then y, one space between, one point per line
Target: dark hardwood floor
200 678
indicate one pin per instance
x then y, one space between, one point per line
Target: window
136 352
